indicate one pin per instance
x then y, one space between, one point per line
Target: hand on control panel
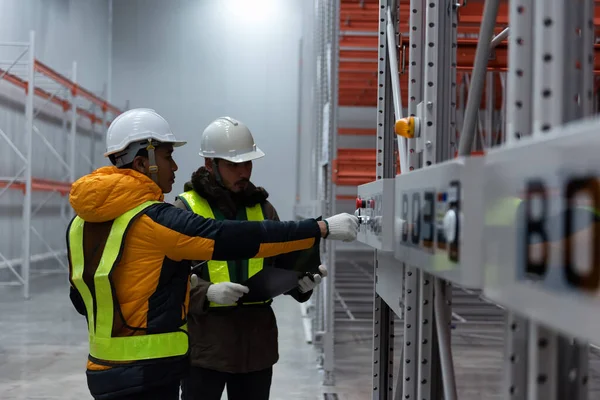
366 213
361 205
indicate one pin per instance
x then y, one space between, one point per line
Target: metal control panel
437 227
542 235
375 210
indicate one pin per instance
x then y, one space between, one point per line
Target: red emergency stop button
360 203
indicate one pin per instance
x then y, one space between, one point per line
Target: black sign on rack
543 228
418 211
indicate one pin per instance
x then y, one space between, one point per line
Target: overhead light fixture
251 10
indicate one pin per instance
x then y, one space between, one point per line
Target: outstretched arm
185 235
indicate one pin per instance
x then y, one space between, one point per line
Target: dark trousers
206 384
166 392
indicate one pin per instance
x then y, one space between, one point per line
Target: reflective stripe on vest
218 271
102 345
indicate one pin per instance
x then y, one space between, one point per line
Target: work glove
342 227
193 281
309 282
226 293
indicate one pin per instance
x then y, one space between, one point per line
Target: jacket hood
108 192
204 183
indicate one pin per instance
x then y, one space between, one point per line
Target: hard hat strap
218 177
152 168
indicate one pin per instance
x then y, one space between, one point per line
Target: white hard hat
133 130
230 140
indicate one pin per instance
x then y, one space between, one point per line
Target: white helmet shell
228 139
133 129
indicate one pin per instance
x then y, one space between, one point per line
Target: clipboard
269 283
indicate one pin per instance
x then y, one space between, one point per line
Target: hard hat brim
239 158
177 143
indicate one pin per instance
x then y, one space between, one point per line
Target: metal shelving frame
543 80
432 72
56 90
534 94
319 311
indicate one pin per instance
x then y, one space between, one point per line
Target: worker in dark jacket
233 343
126 252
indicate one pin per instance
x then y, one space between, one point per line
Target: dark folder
269 283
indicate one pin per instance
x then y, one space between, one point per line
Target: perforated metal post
410 353
562 92
452 73
573 355
333 41
548 82
73 136
29 164
515 357
519 124
433 81
318 326
573 368
443 315
426 336
445 383
383 317
435 137
415 71
447 363
542 363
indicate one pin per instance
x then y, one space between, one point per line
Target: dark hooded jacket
238 339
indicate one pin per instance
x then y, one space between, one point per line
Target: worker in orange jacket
127 250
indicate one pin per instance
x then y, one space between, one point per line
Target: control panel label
558 234
424 214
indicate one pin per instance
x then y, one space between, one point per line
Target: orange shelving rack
28 73
359 24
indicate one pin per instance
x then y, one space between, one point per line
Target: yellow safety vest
102 344
218 271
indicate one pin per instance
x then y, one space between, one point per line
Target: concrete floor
43 347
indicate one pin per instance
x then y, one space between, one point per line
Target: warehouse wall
193 61
65 31
308 124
